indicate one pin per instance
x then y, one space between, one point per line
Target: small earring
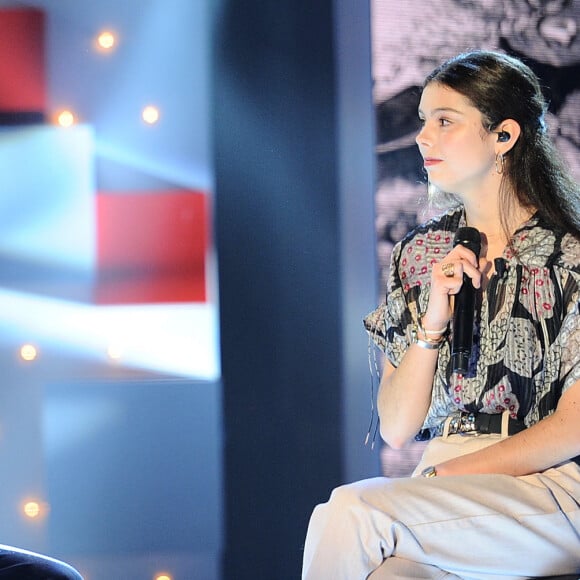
499 163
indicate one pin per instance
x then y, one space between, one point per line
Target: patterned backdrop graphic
409 39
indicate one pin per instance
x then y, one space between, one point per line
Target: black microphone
464 307
500 267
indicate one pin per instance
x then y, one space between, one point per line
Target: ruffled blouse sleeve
390 325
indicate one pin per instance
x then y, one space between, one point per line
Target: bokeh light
33 509
150 115
28 352
106 40
115 352
66 119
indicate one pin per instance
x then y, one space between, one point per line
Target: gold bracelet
431 332
428 339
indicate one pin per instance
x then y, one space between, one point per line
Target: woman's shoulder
424 245
436 231
539 244
569 254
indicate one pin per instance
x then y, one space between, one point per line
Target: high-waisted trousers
475 527
16 564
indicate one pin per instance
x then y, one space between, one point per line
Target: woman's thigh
406 570
475 526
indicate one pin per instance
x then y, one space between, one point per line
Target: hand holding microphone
464 306
457 275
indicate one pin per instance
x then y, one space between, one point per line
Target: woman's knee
352 496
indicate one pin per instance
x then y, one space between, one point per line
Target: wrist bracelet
429 345
431 332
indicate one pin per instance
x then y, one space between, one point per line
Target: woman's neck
487 220
482 211
495 236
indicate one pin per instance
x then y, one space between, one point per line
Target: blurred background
110 399
198 199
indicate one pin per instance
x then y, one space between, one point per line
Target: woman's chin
439 186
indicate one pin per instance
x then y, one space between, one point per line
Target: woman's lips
430 161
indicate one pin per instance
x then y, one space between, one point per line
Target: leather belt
482 423
475 424
487 423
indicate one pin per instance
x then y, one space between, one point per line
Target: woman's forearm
405 395
551 441
405 392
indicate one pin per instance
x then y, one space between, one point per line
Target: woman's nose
422 137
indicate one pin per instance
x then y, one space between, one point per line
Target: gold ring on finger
448 269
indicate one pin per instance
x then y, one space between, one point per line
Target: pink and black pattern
527 334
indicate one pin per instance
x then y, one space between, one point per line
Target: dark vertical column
356 170
277 234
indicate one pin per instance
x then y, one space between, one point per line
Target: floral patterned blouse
526 348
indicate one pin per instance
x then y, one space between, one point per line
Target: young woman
497 492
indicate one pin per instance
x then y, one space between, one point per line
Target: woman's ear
508 132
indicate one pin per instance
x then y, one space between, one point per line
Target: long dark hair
502 87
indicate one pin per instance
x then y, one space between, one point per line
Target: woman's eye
444 122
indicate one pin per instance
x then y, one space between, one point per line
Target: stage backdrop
408 40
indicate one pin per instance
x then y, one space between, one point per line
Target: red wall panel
151 247
22 66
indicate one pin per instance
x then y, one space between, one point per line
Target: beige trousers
476 527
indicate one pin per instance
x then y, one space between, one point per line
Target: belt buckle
473 433
467 426
460 423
